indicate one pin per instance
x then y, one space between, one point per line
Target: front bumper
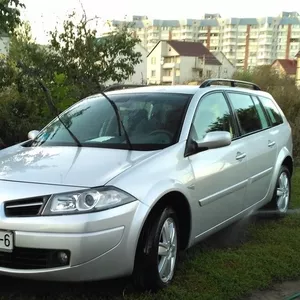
102 245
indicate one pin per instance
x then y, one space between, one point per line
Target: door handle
240 156
271 143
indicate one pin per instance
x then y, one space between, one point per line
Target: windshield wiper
49 101
54 109
120 123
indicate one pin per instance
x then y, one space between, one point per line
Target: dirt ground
281 291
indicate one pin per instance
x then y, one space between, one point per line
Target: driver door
220 174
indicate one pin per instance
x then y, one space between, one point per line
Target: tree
73 66
89 61
10 15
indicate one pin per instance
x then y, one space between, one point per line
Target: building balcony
229 43
265 42
229 29
170 65
167 78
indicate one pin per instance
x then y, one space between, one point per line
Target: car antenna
49 99
120 123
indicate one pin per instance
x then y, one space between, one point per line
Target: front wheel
157 252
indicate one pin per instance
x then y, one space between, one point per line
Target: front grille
28 258
25 208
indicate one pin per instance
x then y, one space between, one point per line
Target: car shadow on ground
13 288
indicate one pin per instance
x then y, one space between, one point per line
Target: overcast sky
44 14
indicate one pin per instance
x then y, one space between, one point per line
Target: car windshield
152 121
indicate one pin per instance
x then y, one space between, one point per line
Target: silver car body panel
219 188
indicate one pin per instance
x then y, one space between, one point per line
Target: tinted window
152 121
261 113
213 114
246 112
272 111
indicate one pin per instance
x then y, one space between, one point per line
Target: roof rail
115 87
233 83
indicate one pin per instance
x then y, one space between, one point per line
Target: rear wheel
279 205
157 252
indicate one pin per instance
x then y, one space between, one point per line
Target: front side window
246 112
272 111
213 114
152 121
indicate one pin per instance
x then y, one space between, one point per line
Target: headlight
86 201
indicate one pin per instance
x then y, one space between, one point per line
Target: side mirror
215 139
33 134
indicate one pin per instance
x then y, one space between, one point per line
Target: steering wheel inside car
163 133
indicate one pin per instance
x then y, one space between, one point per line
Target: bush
284 91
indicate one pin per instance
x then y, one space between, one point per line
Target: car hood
70 166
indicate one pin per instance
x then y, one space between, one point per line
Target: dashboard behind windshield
151 120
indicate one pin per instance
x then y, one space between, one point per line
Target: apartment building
178 62
246 42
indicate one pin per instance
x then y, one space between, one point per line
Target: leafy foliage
89 61
10 15
74 65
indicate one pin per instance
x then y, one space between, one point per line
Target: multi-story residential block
246 42
178 62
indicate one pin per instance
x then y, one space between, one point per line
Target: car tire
157 251
279 205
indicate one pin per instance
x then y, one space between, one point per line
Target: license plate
6 241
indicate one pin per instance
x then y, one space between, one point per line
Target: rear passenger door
261 148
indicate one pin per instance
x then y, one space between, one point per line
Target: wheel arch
178 201
288 162
284 158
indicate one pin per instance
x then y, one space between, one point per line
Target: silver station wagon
120 182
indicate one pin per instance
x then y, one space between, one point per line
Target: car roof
185 89
182 89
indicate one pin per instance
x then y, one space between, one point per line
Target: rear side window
271 110
246 112
261 113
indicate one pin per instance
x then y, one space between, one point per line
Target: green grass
221 268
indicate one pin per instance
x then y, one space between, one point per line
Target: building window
153 60
177 72
208 73
153 73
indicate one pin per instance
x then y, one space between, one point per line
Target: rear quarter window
272 110
246 112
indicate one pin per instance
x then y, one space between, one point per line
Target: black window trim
275 104
187 151
264 111
240 132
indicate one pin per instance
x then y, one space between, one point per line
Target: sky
45 14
